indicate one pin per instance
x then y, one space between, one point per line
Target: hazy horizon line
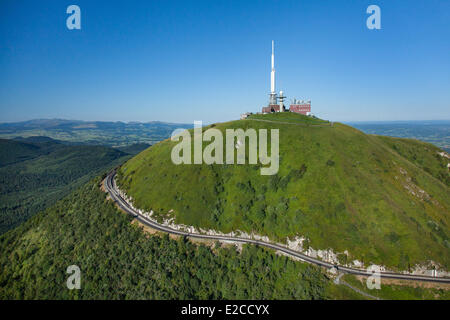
174 122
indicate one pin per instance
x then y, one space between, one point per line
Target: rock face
447 156
430 268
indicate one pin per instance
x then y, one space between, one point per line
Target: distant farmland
435 132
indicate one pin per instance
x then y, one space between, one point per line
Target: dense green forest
14 151
119 261
37 171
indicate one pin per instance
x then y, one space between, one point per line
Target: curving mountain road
111 188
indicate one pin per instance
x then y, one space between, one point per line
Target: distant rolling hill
91 132
376 199
37 171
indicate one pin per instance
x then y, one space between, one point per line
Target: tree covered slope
13 151
119 261
384 200
35 172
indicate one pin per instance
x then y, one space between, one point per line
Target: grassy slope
288 117
422 154
405 291
352 195
118 261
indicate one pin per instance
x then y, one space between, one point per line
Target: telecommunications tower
273 94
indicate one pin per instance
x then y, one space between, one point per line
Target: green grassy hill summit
383 200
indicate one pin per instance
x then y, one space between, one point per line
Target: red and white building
271 108
303 107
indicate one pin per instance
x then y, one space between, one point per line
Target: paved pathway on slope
111 188
330 124
365 294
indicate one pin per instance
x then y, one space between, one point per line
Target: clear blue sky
182 61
